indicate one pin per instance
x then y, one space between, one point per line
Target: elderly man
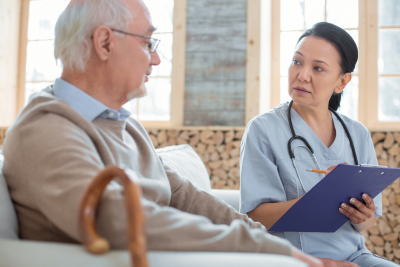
74 128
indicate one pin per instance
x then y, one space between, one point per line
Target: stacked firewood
387 148
383 238
219 150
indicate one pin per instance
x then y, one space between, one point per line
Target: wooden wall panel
213 117
215 79
232 91
215 66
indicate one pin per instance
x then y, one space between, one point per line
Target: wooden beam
9 28
385 127
253 59
156 124
372 64
362 62
265 57
195 128
23 42
178 64
275 53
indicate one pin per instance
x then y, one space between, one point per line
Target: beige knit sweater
52 152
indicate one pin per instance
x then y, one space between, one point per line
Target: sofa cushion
231 197
8 217
185 161
23 253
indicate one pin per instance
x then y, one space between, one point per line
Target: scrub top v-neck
267 174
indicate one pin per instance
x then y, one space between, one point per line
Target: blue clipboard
318 209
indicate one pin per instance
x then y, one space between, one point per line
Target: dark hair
345 45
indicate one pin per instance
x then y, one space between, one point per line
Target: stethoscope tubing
308 146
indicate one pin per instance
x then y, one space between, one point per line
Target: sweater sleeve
170 229
48 169
187 197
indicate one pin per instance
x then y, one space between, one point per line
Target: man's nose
155 58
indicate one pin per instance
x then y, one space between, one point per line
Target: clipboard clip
373 166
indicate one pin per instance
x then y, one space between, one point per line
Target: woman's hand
363 216
331 168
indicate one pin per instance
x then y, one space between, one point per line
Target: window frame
177 74
372 74
368 64
23 45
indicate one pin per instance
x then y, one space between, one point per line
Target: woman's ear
102 42
344 80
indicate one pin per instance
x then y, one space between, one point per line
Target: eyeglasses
153 41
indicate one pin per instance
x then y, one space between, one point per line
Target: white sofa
17 253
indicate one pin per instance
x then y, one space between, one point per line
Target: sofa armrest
21 253
232 197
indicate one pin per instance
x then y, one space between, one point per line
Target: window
156 105
373 95
41 68
388 61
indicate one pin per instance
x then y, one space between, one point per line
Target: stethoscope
307 145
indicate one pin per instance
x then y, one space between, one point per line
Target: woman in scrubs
321 67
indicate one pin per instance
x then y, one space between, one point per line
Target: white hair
76 24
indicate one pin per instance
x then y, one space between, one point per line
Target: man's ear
103 42
344 80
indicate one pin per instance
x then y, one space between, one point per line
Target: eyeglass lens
154 44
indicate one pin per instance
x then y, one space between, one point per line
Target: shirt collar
84 104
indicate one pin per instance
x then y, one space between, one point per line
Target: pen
314 170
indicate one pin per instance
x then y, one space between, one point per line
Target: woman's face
315 72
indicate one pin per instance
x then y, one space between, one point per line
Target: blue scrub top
267 174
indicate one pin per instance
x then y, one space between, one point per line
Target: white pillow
8 217
185 161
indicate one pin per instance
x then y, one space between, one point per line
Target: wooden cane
135 218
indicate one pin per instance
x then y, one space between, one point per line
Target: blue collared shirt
84 104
